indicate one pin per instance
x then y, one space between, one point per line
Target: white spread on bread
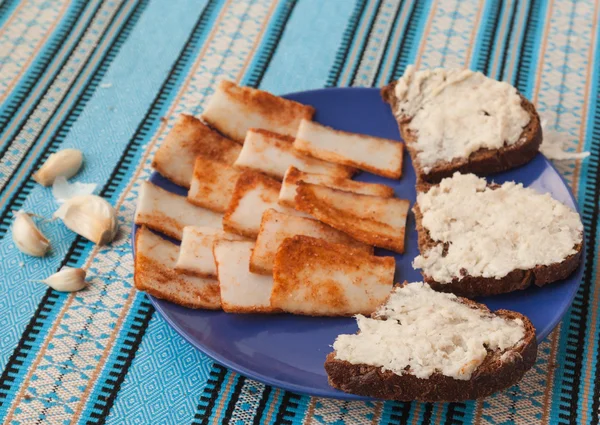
419 331
493 231
457 112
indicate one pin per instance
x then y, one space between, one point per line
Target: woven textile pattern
110 77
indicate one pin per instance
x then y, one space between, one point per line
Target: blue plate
288 351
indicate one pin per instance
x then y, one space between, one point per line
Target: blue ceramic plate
288 351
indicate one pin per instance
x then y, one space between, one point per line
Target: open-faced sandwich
460 120
478 239
431 346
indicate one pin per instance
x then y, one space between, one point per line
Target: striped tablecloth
110 77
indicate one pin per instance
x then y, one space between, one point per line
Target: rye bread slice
478 286
493 375
481 162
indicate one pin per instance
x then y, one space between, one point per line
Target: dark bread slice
491 376
481 162
472 286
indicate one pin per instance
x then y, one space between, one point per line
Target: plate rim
257 376
340 395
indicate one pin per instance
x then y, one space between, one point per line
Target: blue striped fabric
110 76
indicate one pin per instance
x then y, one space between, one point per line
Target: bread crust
481 162
479 286
493 375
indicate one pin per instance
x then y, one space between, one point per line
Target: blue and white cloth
109 77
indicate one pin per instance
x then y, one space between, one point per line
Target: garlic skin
67 279
27 237
62 190
91 217
66 163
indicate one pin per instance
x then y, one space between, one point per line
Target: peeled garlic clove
27 237
91 217
64 163
67 279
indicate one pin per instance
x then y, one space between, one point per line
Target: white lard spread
491 232
428 332
457 112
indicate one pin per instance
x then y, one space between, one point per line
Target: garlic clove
91 217
27 237
66 163
68 279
